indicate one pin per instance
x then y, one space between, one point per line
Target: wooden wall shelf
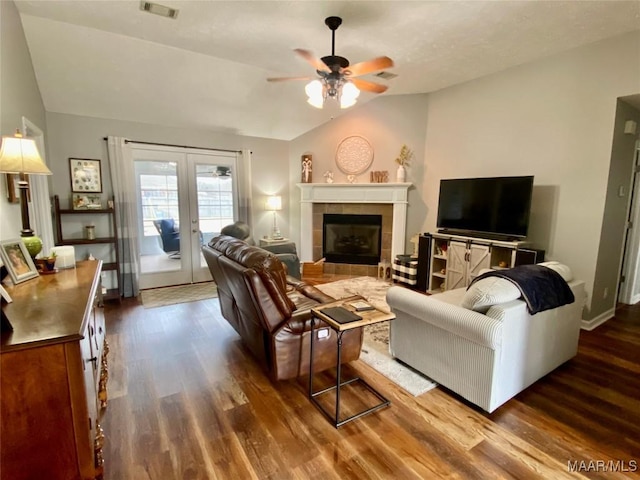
111 239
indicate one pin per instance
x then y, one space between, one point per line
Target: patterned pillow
489 291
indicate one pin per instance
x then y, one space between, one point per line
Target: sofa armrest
287 254
468 324
309 290
291 261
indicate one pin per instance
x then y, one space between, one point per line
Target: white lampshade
274 203
349 95
315 92
20 155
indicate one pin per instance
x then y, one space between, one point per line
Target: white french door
185 197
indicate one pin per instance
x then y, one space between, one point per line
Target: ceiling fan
336 77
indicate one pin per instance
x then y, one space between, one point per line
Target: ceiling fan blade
369 86
369 66
284 79
313 60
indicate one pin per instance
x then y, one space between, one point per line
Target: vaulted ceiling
207 69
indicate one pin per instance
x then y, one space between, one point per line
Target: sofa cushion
489 291
561 269
239 230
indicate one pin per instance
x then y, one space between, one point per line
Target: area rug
160 297
375 348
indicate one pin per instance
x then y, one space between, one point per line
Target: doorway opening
185 197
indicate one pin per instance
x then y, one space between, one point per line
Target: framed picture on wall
86 176
13 190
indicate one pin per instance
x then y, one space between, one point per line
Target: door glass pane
157 183
215 200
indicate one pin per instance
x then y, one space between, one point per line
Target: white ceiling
208 68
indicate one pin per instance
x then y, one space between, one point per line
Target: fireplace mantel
393 193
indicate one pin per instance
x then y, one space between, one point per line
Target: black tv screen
495 206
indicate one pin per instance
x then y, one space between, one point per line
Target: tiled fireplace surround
388 200
359 208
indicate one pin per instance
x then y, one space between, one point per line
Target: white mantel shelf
392 193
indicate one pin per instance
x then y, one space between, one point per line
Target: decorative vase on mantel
403 159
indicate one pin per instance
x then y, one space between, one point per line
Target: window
159 196
215 198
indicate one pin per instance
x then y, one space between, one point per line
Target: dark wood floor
188 402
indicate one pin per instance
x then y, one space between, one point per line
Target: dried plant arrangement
405 156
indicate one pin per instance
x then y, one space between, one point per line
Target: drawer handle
93 360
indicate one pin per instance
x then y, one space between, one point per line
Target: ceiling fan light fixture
336 72
349 95
315 90
345 93
223 172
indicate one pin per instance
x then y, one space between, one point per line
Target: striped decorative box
405 269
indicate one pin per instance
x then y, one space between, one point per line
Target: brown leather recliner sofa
271 311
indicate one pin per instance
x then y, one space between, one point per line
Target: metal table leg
335 419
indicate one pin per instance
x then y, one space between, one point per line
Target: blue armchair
286 252
169 236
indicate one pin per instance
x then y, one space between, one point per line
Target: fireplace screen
354 239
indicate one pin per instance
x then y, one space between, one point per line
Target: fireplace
352 239
386 199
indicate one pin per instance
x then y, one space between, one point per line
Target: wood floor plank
556 439
187 401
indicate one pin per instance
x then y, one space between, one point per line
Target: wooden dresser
53 377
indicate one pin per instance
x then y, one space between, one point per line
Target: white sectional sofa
489 357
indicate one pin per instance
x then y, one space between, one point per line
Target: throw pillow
489 291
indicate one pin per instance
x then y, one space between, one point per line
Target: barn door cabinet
465 262
456 260
54 377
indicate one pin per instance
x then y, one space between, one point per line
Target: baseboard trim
599 320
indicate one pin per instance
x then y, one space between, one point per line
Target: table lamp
274 203
20 156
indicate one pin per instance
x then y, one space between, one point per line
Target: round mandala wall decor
354 155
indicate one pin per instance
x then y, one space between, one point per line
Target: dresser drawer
96 333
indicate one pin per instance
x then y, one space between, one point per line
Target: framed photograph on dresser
6 298
17 261
5 324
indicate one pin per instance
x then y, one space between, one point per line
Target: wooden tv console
455 260
54 377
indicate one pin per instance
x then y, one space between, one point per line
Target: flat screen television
495 207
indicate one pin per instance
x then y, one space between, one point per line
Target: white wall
552 118
19 96
387 123
82 137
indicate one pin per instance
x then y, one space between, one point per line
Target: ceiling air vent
159 9
386 75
